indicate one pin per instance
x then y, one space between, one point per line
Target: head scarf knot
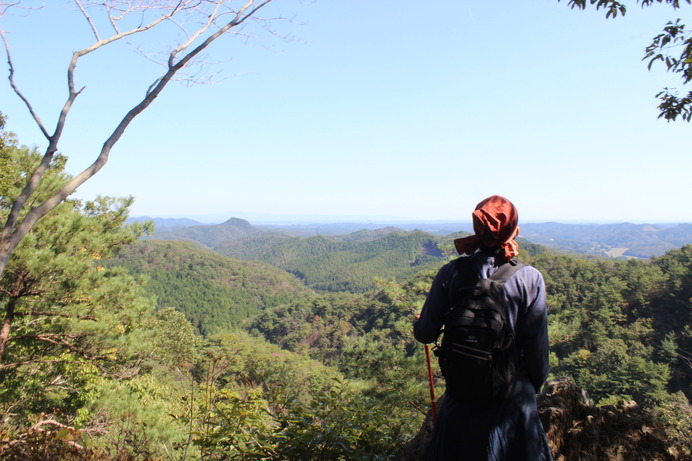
495 223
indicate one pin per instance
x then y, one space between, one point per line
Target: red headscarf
495 223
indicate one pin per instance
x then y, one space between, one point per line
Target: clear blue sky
378 109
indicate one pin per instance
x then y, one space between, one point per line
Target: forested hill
343 264
211 235
350 262
213 291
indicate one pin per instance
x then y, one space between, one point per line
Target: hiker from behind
491 311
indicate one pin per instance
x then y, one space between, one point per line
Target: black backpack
478 355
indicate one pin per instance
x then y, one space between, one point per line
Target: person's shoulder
525 266
449 267
452 267
462 262
528 271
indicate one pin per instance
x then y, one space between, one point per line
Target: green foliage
239 427
253 400
339 425
261 402
325 325
65 310
213 291
369 339
17 162
614 325
176 341
342 264
676 415
75 338
139 415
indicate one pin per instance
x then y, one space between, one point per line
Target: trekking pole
431 384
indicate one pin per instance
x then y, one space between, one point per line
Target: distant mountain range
625 240
611 240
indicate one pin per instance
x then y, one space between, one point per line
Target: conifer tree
68 322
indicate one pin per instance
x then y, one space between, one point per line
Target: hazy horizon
266 219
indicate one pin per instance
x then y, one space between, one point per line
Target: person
508 428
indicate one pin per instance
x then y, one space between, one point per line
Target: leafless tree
202 22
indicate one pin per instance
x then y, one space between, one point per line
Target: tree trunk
7 325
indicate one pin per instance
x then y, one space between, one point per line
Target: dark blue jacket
509 429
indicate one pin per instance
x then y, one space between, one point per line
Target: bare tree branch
7 325
88 19
120 35
46 337
16 90
39 427
5 366
6 5
55 314
61 340
20 221
196 35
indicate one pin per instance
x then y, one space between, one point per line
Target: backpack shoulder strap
462 274
465 278
506 271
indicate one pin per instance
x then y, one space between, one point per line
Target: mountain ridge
614 240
